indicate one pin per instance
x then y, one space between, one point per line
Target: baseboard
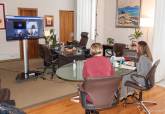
18 59
9 60
48 101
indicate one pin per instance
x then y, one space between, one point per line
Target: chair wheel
87 112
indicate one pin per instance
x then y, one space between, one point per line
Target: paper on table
127 67
129 63
118 58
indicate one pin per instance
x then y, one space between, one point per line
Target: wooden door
66 26
33 43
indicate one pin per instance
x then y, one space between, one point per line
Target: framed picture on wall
2 16
49 21
128 13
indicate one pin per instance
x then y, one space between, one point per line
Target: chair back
118 48
84 39
151 75
102 91
45 53
41 50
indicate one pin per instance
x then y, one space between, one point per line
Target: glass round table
73 72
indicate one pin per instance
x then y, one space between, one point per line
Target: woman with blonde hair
144 64
97 65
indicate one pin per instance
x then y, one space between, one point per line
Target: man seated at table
98 65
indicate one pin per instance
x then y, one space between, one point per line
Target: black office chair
130 55
83 40
149 83
108 50
82 43
50 60
103 93
118 49
5 96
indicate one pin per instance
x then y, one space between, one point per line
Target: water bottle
74 68
113 61
62 47
122 60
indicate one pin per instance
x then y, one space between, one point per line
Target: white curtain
159 39
85 18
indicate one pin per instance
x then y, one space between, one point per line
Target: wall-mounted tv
24 27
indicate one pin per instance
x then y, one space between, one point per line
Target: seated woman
97 65
143 66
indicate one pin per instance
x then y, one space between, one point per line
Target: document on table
127 67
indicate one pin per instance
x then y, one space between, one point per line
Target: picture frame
128 13
49 21
2 16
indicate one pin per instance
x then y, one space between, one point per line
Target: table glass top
72 73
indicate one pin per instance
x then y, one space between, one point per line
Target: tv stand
30 75
27 74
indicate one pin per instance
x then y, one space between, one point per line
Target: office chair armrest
135 85
138 76
83 97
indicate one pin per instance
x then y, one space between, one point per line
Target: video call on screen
23 29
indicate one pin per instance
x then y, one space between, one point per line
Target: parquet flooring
65 106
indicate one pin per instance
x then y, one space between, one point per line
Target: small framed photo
49 21
128 13
2 16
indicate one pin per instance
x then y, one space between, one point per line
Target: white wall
121 34
105 21
110 30
10 50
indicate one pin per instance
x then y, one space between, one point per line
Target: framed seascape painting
2 16
128 13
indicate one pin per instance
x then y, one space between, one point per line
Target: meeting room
82 57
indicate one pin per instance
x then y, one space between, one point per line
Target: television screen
23 27
19 25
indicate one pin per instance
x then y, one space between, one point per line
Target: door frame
60 22
21 42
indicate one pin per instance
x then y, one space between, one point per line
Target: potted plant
110 41
135 36
51 38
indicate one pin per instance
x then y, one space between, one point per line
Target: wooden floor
65 106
